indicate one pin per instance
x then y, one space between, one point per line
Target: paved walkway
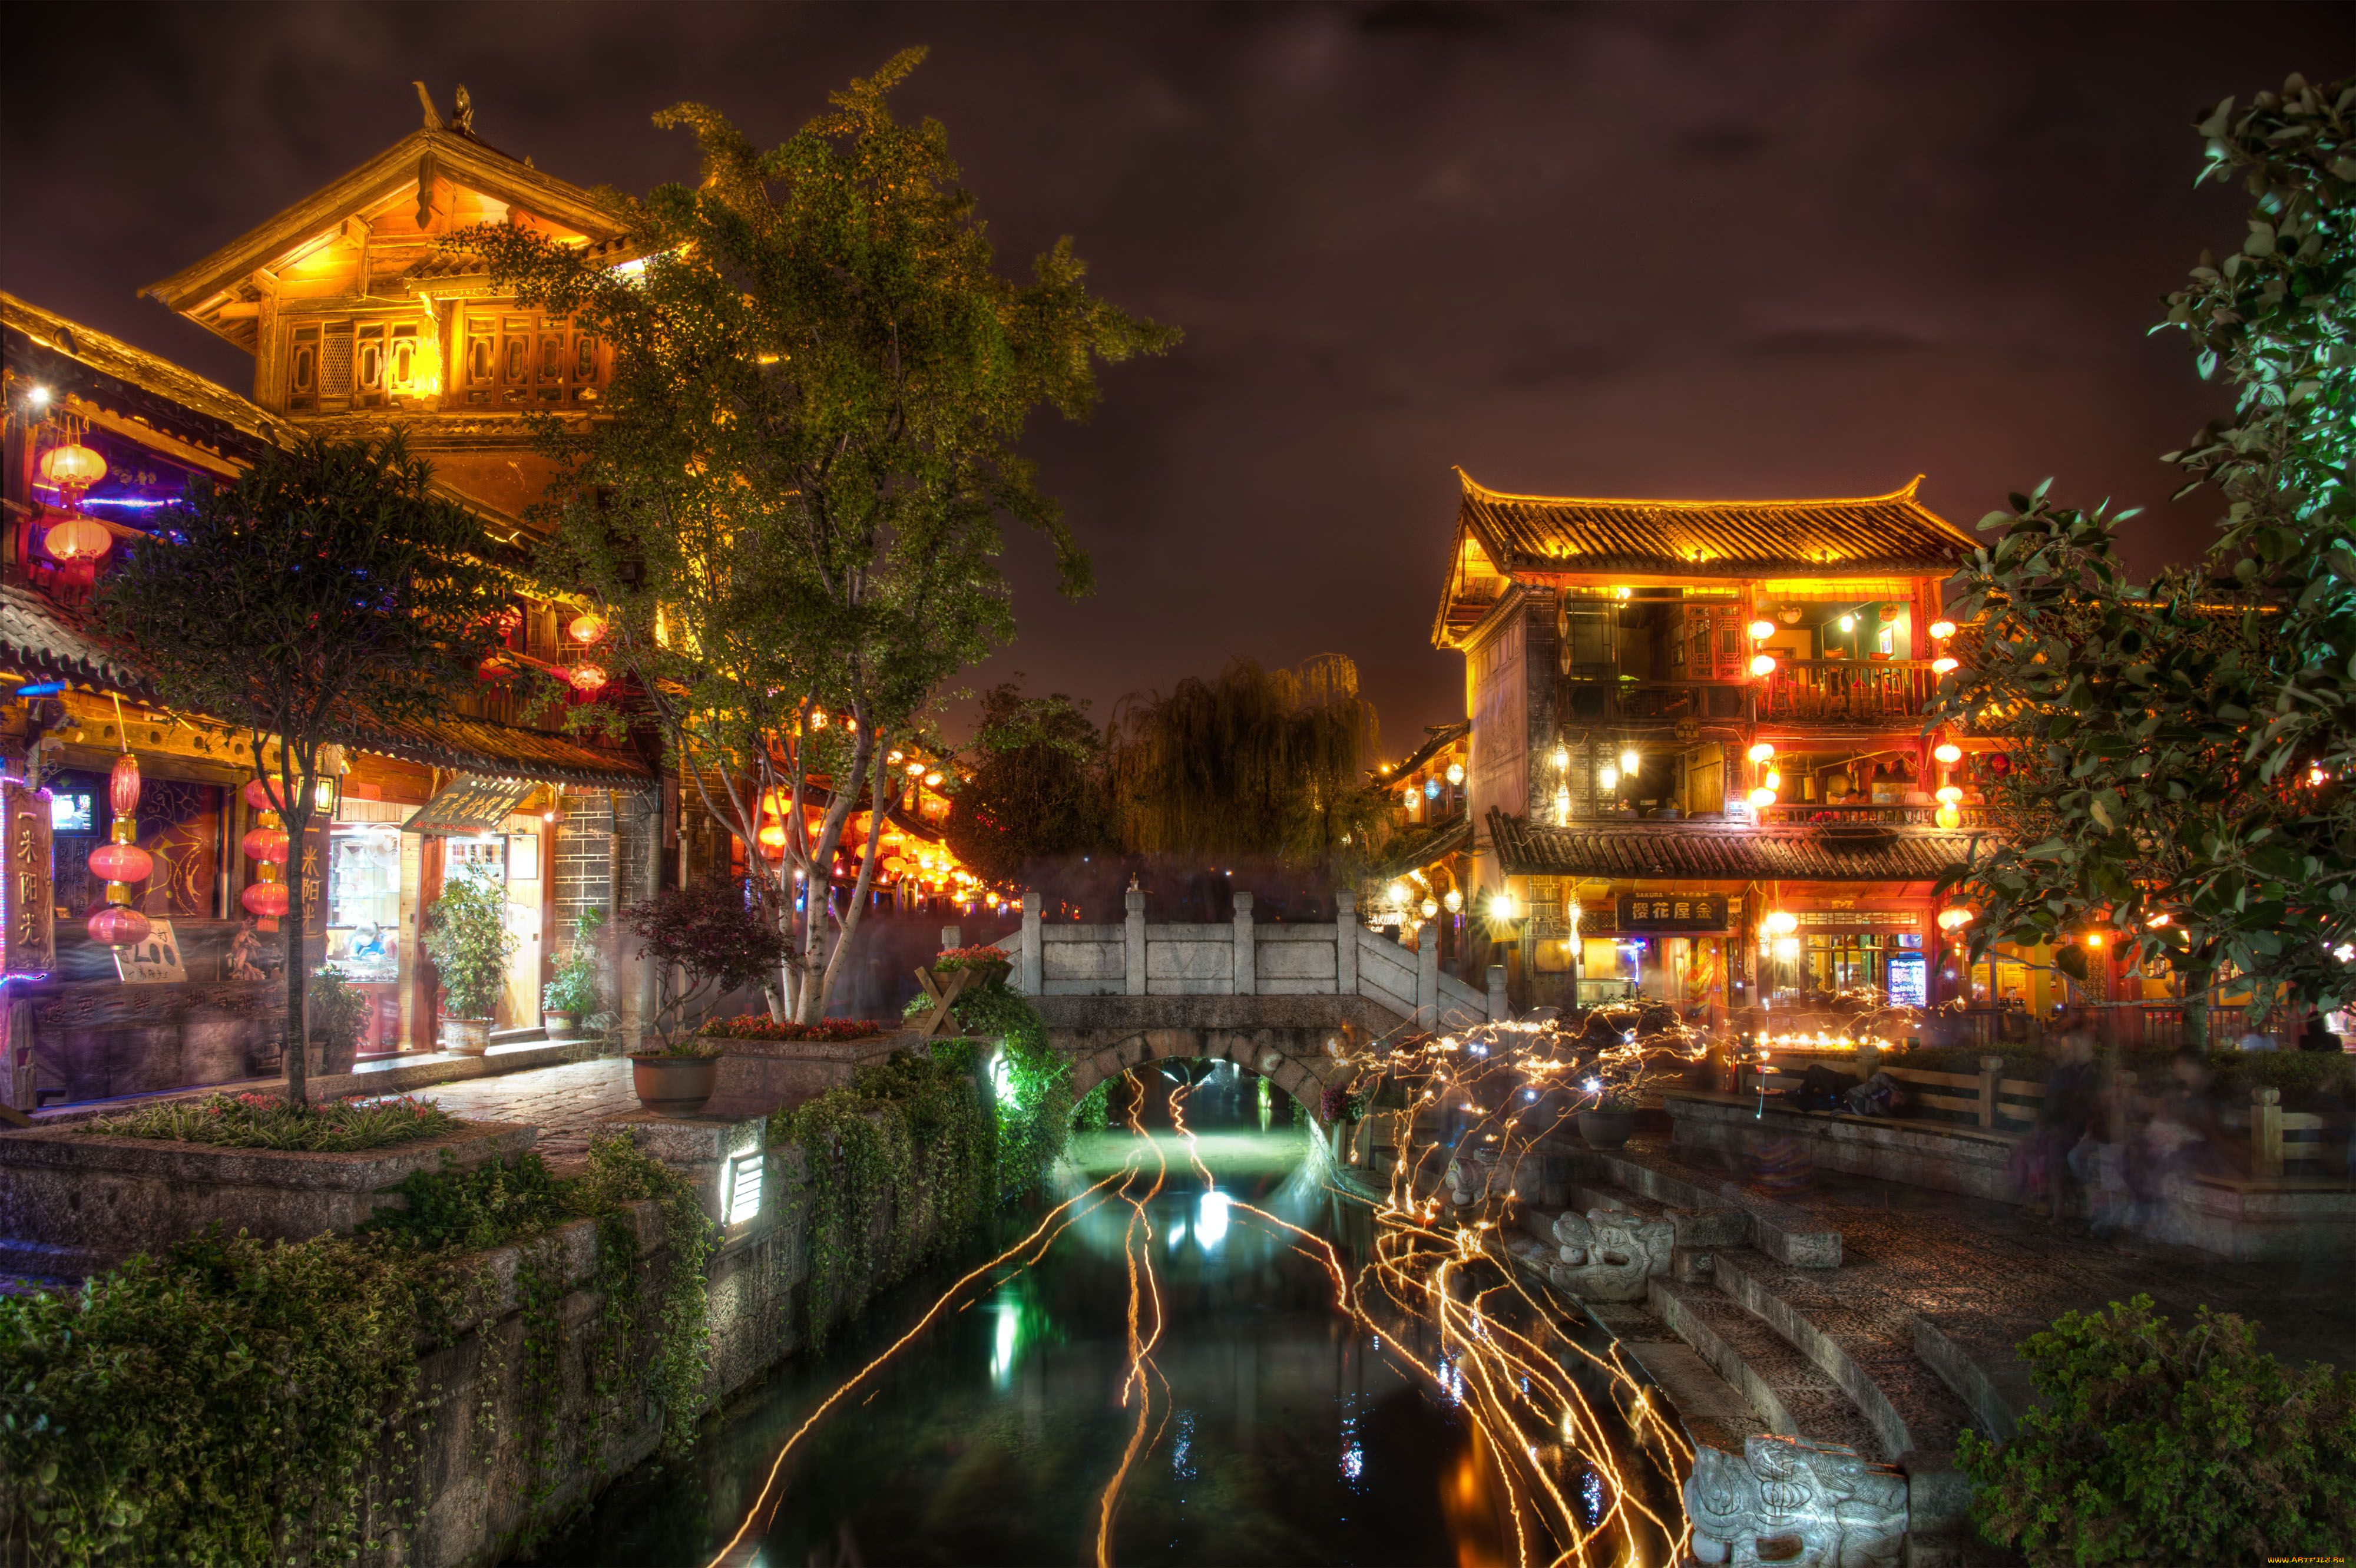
569 1104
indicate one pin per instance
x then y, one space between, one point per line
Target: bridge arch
1298 1061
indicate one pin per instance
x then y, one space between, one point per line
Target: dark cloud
1631 250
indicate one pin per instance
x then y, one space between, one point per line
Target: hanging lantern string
122 730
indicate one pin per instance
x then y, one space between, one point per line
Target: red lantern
78 539
587 679
262 794
265 844
121 862
116 927
123 786
267 899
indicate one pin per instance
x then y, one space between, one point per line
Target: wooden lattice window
523 359
1714 642
303 370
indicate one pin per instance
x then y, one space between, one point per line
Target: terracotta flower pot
560 1025
674 1086
467 1036
1606 1129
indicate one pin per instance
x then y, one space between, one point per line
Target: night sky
1644 251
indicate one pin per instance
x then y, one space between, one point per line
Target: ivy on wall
901 1165
239 1401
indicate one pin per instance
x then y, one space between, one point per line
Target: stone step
1714 1411
1790 1394
1789 1235
1972 1354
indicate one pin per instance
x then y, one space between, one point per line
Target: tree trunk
298 1038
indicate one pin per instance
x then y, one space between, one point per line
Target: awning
470 803
1712 851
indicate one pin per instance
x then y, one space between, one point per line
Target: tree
2184 747
795 498
1260 762
320 596
704 942
1037 790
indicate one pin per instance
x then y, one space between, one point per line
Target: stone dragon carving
1795 1504
1609 1255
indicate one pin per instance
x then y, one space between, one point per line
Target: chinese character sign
27 902
1673 912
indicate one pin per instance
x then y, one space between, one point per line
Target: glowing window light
1630 761
1607 777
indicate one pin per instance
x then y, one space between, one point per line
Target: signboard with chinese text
28 902
1909 981
153 961
1674 912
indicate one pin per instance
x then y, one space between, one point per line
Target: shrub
337 1011
267 1121
715 935
2153 1444
574 987
982 958
1035 1085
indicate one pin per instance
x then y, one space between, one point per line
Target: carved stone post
1033 979
1345 944
1991 1069
2266 1131
952 937
1133 943
1247 964
1499 1009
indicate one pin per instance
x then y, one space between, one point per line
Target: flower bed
949 959
267 1122
761 1026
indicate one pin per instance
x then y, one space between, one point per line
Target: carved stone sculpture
1609 1254
1799 1505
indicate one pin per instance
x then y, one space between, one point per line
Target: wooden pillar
1991 1071
425 1033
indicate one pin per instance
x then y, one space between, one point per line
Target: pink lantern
121 862
123 786
115 927
262 794
265 844
267 899
587 679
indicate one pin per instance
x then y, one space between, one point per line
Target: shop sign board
29 942
1673 912
155 959
1909 981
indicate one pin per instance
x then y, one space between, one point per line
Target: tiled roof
38 637
1424 847
43 345
1550 535
1439 738
1712 851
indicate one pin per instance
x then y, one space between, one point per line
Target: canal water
1279 1430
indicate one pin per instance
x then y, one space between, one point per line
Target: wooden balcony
1847 691
1583 700
1819 814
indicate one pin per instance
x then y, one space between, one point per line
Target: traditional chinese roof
1439 738
141 387
1423 846
1504 539
38 637
1714 852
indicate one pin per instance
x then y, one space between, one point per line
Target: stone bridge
1285 999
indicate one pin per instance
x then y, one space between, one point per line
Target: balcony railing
1604 701
1847 690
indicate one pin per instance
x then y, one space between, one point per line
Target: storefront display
364 922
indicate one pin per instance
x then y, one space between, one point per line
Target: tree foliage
467 937
795 500
1036 792
324 594
2184 747
704 940
1259 762
2152 1444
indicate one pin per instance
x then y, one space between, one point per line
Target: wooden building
1697 768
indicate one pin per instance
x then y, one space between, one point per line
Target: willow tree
2185 746
794 499
1259 762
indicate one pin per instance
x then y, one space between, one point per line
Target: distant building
1695 768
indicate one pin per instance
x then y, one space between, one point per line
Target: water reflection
1267 1426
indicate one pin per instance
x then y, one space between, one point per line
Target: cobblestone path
569 1104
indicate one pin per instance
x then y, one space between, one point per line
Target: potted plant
705 942
677 1079
570 995
337 1012
1611 1120
467 937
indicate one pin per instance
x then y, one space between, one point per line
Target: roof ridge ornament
462 117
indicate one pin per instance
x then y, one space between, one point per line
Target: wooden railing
1991 1102
1584 700
1847 688
1819 814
